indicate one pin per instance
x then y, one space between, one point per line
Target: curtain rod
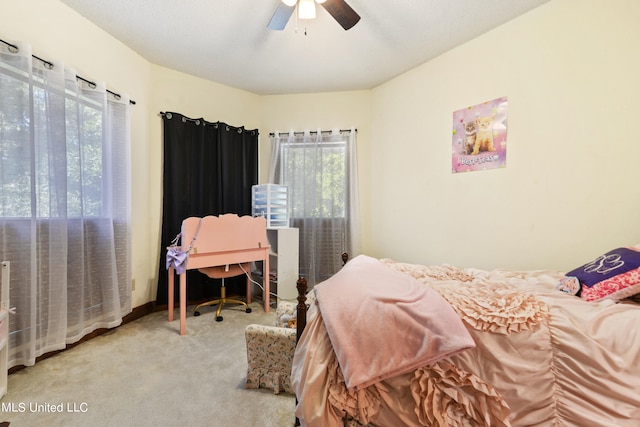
49 65
240 129
314 132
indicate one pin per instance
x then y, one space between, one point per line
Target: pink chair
222 272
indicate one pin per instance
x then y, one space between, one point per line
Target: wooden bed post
301 285
301 321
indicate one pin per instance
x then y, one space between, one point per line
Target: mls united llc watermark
35 407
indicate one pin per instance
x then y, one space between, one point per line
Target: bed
386 343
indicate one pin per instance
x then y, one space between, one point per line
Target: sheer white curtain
64 204
319 168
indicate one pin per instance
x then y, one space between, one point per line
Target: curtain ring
168 116
198 122
184 120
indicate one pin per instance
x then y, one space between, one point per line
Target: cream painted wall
567 193
570 188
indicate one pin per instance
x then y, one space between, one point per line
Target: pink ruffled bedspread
542 358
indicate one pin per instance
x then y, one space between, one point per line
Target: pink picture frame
479 140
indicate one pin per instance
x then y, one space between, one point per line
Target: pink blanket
384 323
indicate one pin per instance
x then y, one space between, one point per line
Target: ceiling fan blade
341 12
281 17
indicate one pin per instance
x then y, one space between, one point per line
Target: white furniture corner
283 259
4 327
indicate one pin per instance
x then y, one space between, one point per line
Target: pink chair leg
170 306
183 303
248 289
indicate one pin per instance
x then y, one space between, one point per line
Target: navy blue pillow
611 264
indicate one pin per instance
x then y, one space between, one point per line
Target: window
319 170
64 204
316 176
31 165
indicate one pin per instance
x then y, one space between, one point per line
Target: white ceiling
227 41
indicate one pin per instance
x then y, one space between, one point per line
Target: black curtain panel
209 169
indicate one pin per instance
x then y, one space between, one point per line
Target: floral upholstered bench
270 351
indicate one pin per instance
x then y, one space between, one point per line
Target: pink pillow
616 288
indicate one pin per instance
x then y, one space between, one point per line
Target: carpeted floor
145 374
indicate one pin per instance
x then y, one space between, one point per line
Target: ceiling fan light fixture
307 9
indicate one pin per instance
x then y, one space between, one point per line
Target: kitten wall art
480 137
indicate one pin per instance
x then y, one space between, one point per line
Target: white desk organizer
272 202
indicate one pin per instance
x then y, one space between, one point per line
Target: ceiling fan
339 9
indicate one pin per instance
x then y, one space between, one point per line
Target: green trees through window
49 146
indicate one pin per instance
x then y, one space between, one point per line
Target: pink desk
222 240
